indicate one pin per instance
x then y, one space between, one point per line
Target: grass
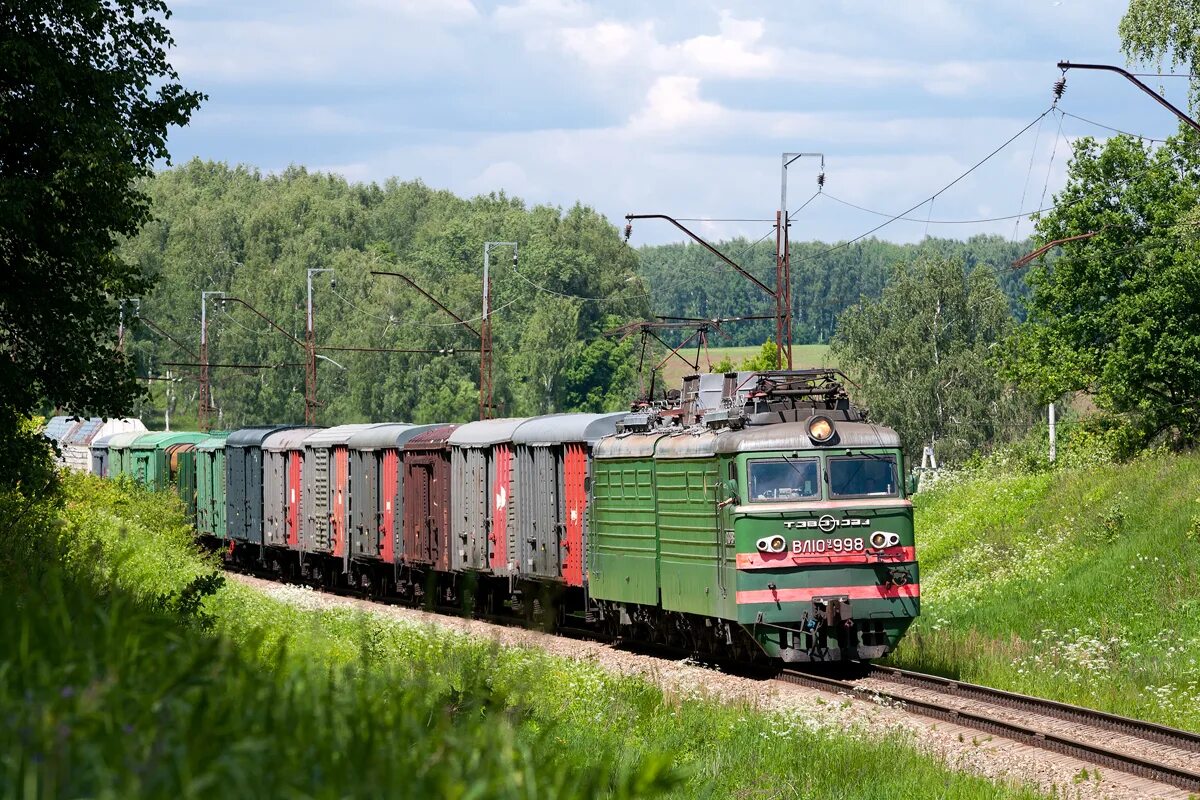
1079 585
131 668
804 356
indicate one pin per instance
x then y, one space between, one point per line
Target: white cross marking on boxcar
501 498
574 515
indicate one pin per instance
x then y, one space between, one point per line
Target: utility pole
205 406
1053 438
137 304
486 385
310 368
783 259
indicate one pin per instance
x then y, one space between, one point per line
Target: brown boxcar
426 463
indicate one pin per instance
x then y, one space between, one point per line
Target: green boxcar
210 486
118 452
150 456
185 478
807 546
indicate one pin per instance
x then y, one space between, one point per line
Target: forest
254 236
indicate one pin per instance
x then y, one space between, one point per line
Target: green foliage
1159 32
766 359
86 99
922 355
723 365
253 236
1076 584
687 281
1117 315
115 692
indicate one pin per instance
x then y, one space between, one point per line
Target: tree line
688 281
252 236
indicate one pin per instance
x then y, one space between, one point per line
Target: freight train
751 515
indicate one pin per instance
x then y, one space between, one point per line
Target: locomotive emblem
827 523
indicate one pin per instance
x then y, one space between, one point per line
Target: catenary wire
1111 128
1028 175
964 174
940 221
1050 166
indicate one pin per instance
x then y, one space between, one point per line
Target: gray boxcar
484 489
554 458
326 490
376 503
283 486
244 483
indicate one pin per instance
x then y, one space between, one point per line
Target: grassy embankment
1082 585
804 356
130 669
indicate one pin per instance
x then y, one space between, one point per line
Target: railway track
1144 749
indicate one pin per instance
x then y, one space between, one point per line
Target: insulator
628 230
1060 86
821 181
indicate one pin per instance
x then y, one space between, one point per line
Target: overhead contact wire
970 170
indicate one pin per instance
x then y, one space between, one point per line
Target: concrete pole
1053 437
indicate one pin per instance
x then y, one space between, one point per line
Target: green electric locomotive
773 522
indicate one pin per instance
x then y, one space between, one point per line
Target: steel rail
1024 734
1151 731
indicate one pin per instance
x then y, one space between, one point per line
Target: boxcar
119 462
326 489
210 486
376 492
553 456
150 458
484 490
427 502
183 467
283 487
244 477
99 451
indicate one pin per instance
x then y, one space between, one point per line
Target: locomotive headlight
772 544
820 429
881 539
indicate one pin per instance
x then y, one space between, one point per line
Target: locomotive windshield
863 476
782 479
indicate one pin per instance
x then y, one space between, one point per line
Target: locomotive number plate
818 547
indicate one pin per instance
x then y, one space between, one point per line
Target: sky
678 108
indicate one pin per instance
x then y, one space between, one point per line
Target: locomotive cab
823 537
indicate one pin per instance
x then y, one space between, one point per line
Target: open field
803 356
